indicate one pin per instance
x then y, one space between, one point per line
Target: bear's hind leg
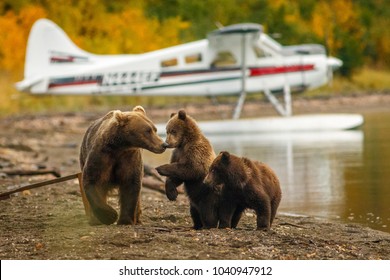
196 218
263 213
237 216
209 214
274 207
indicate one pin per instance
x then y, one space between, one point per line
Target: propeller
333 64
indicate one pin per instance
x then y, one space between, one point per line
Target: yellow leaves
94 29
277 3
11 40
28 15
332 17
130 31
170 31
344 12
14 30
136 33
8 40
322 20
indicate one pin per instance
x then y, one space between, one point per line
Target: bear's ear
119 116
139 109
225 157
182 115
173 114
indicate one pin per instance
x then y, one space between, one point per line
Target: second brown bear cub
246 184
190 162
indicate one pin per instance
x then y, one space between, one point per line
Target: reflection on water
341 174
310 166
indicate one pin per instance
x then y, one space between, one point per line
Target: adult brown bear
190 161
246 184
110 156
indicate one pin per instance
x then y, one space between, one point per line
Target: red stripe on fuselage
55 59
258 71
73 83
279 70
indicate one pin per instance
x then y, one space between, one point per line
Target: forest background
355 31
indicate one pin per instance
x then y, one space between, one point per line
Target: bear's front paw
224 225
263 228
106 215
163 170
93 221
126 221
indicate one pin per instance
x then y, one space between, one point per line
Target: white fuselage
213 66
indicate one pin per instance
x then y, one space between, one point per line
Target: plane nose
334 63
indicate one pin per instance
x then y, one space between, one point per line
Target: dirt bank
49 222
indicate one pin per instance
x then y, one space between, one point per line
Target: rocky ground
49 222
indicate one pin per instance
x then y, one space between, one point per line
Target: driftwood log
22 172
7 195
151 180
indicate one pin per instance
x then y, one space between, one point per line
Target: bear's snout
168 144
160 149
165 145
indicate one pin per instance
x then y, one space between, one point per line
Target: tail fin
47 46
48 43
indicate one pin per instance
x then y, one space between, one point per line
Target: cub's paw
171 189
171 193
163 169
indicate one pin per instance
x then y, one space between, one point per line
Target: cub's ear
182 115
173 114
139 109
225 157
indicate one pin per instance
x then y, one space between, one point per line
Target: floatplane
236 60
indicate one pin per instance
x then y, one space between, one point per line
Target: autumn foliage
354 31
93 29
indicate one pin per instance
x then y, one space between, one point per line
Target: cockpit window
259 51
224 58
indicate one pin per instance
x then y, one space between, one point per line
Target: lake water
343 175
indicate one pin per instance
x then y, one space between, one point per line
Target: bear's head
218 169
226 168
132 129
180 129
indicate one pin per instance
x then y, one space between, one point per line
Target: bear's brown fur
246 184
110 156
190 162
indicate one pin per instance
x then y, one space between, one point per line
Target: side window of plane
193 58
224 59
169 62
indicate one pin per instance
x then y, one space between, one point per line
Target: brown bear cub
246 184
110 156
190 162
